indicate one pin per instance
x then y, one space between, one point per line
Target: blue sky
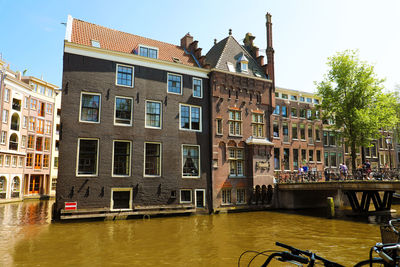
305 32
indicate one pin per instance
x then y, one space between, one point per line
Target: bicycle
388 254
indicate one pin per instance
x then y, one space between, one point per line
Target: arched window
15 184
15 122
13 142
3 187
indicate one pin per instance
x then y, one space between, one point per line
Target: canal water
29 238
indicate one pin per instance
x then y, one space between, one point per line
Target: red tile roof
84 32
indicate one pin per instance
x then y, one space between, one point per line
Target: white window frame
145 114
26 106
115 111
190 118
149 47
204 197
222 199
181 93
201 87
133 75
245 193
180 196
144 159
80 107
25 122
190 177
130 159
7 95
7 164
3 141
216 126
20 162
127 189
5 116
77 158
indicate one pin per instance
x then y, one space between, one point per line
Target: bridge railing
298 177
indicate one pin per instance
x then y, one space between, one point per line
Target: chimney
270 51
186 41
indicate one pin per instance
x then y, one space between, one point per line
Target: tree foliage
354 101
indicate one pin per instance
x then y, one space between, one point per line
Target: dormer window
243 63
146 51
95 43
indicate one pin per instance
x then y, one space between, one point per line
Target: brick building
27 107
134 123
241 91
297 132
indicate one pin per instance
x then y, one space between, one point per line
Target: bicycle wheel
375 262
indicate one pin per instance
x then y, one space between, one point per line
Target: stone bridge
357 194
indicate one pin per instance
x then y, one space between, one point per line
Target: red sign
70 205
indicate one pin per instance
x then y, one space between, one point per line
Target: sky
305 32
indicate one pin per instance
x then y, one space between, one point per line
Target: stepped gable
84 32
229 50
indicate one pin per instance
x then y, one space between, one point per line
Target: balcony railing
13 146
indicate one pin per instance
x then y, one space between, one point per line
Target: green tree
354 101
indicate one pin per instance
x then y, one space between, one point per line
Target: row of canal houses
149 127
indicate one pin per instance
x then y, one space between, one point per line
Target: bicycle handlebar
392 227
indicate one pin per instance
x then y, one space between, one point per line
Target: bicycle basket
387 234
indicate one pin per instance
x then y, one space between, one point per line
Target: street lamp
389 144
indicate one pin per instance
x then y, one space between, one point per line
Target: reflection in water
29 238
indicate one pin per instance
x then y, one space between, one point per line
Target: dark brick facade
86 74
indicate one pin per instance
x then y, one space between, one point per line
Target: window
14 161
23 141
123 111
310 134
302 113
277 162
3 137
38 161
190 161
31 141
87 157
219 126
293 112
40 126
186 196
53 183
152 159
16 104
318 155
325 135
235 122
333 159
29 160
121 198
309 100
276 94
285 131
240 196
174 84
304 156
33 104
5 116
236 160
124 75
294 131
39 143
332 139
276 110
95 43
90 107
295 159
20 162
122 158
284 111
293 97
49 92
153 114
276 129
226 196
55 162
284 96
286 157
8 160
41 109
190 117
302 98
13 144
47 143
26 102
316 101
302 132
326 159
258 125
49 108
25 122
197 88
310 155
1 160
42 89
6 95
148 52
317 135
309 114
48 127
45 161
32 124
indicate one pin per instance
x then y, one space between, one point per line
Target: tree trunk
353 156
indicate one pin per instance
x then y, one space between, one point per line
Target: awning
259 141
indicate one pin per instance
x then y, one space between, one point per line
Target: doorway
34 185
200 198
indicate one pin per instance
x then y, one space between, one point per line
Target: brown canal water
29 238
